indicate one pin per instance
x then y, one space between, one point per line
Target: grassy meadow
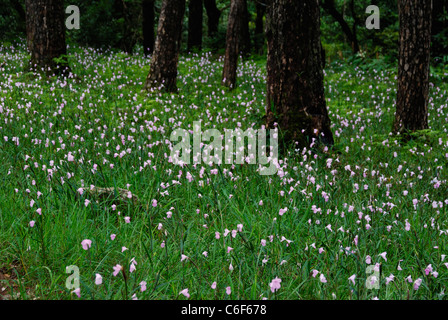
372 209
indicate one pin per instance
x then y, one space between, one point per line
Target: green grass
104 107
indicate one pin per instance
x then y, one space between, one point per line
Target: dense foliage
118 24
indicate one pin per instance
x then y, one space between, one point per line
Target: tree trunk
195 18
21 12
259 28
260 7
330 7
236 18
244 36
439 47
45 29
295 88
148 26
126 10
163 71
413 65
213 15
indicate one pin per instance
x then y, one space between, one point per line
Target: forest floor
372 208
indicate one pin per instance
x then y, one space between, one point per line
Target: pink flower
229 249
352 279
390 278
134 296
32 223
214 285
230 267
154 203
315 273
86 244
239 227
217 235
275 284
428 269
263 242
205 253
127 219
143 286
185 293
183 257
117 268
282 211
417 283
39 211
77 292
368 260
228 290
322 278
383 255
112 236
98 279
408 225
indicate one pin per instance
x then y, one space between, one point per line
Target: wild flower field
365 220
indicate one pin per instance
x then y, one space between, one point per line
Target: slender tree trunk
126 10
259 26
148 26
260 7
330 7
163 70
17 5
195 19
413 65
45 26
295 88
213 15
244 36
236 18
439 47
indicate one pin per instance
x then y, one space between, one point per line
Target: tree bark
45 29
413 65
195 18
295 88
213 15
148 26
236 18
163 70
